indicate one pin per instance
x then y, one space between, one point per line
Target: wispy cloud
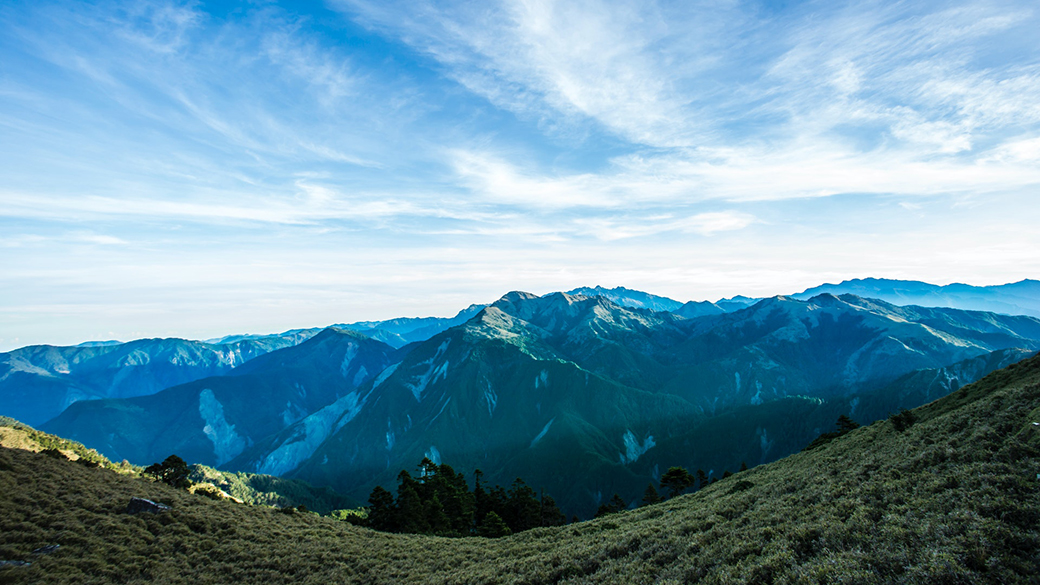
432 154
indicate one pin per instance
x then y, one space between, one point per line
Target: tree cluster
439 502
173 471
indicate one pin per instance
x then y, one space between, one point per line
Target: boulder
138 505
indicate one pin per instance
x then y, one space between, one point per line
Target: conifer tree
650 496
613 506
172 471
551 514
676 480
493 526
702 479
382 511
411 514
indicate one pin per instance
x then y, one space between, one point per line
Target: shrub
903 420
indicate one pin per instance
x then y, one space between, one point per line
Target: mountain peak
626 297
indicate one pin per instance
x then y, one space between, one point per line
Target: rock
14 564
138 505
46 550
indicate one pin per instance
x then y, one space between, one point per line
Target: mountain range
39 382
943 494
577 394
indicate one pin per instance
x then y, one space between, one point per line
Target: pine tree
613 506
551 514
493 526
411 514
523 511
676 480
382 511
650 496
172 471
436 520
702 479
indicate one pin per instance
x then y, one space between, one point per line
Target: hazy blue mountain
629 298
829 346
38 382
575 393
583 397
298 335
212 420
404 330
1019 298
694 309
735 303
497 393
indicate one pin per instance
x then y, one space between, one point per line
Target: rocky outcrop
139 505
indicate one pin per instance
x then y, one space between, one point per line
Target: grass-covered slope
951 499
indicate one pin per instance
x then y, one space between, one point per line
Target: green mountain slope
38 382
953 498
543 386
212 420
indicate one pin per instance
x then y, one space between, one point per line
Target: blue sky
196 169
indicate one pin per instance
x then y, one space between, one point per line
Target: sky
196 169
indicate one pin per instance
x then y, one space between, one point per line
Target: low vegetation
17 435
951 498
268 490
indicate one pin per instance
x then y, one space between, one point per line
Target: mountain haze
210 421
38 382
1018 298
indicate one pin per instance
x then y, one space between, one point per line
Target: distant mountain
38 382
212 420
404 330
694 309
948 499
629 298
584 397
736 303
1019 298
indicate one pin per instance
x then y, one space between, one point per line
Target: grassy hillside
269 490
17 435
251 488
952 499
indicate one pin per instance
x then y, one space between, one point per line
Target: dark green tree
613 506
551 513
904 420
676 480
493 526
702 479
436 520
523 511
382 513
411 513
846 424
650 496
172 471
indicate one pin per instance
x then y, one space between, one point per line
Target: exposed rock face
138 505
46 550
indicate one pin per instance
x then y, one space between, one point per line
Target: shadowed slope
952 499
